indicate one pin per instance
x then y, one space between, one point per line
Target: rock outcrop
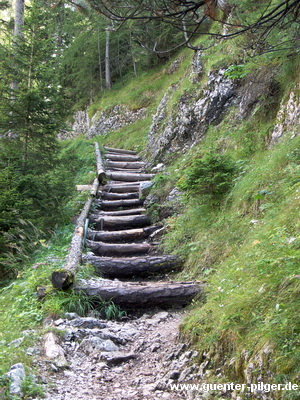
179 130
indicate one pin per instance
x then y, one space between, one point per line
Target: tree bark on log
120 212
109 204
124 268
122 151
100 168
119 196
122 188
64 278
140 295
125 165
118 249
127 170
120 222
121 157
128 177
127 234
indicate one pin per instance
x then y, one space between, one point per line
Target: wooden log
120 222
109 204
127 234
130 165
120 212
122 151
123 187
141 294
118 249
119 196
124 268
128 177
64 278
127 170
120 157
100 167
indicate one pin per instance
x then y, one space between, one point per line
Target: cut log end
62 279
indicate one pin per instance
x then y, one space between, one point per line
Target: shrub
210 177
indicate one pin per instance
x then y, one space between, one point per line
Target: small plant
112 311
237 71
31 389
210 176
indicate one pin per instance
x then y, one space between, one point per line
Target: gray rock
288 117
95 345
145 188
87 322
181 129
117 357
33 351
16 342
174 375
113 119
17 376
71 316
158 168
174 195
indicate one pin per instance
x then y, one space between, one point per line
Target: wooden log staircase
120 240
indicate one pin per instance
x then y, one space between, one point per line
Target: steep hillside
227 132
223 130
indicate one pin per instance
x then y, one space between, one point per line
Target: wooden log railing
64 278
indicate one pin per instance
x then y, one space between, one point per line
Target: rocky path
134 359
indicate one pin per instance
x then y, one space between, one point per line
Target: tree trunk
122 157
64 278
140 295
122 151
119 196
99 60
18 34
107 59
119 212
124 268
107 205
126 234
118 249
123 222
125 165
122 188
129 177
100 168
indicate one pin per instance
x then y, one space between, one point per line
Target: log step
121 157
129 234
120 222
133 266
119 212
122 151
130 165
123 187
115 204
118 249
126 170
128 177
140 295
119 196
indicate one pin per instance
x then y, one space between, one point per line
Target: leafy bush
210 176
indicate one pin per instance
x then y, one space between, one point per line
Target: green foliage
237 71
210 176
31 389
58 303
